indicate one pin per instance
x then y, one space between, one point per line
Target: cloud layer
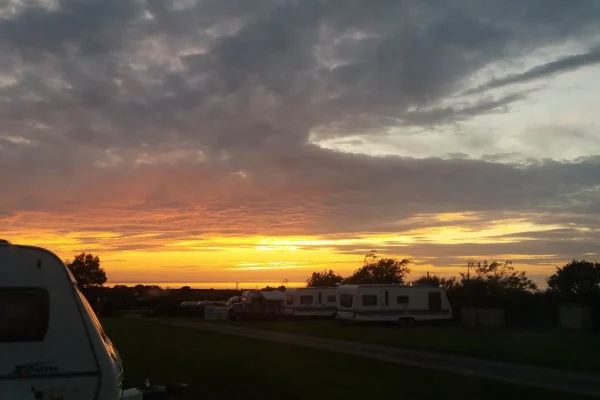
192 118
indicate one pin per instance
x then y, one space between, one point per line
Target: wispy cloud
186 134
561 65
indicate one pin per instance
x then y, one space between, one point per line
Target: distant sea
209 285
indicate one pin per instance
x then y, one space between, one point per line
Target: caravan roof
353 288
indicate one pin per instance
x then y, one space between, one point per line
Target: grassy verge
558 349
226 367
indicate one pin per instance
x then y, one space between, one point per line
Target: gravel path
547 378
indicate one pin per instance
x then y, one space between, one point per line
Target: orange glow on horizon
150 257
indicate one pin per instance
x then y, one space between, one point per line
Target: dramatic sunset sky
220 141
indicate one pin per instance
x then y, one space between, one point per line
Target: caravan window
346 300
24 314
369 300
306 299
331 299
402 299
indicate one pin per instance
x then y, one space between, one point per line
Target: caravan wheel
406 321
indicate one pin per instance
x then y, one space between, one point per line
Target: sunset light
258 147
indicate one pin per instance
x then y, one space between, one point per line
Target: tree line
485 282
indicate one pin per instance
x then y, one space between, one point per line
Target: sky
257 141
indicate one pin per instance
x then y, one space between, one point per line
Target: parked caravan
51 343
311 302
392 303
258 304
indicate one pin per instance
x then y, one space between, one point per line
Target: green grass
226 367
558 349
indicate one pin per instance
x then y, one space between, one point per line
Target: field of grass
558 349
227 367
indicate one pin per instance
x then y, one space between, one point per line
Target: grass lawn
226 367
559 349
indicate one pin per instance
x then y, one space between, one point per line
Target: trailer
51 343
311 302
392 303
52 346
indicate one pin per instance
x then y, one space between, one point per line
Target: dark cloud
541 71
189 118
85 27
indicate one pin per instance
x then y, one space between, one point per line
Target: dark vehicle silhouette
266 310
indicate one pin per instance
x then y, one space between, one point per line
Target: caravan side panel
371 304
315 302
48 342
393 304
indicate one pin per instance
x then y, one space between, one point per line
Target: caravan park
299 199
377 335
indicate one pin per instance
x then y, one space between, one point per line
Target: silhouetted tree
577 280
497 277
445 283
325 278
383 270
120 287
427 280
449 284
86 270
139 289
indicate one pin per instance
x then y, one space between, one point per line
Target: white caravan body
288 305
311 302
392 303
51 343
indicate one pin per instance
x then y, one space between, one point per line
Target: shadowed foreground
223 367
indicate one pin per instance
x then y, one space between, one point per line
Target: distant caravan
392 303
311 302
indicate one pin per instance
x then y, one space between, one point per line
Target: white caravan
51 343
392 303
311 302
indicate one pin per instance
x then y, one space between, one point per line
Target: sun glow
157 256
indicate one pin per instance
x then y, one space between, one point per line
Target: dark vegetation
86 270
374 270
485 285
153 300
225 367
491 285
